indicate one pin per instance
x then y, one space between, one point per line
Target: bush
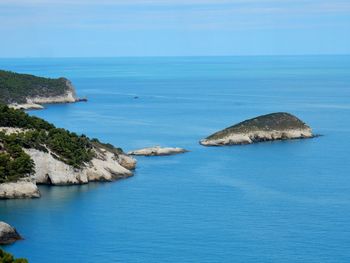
8 258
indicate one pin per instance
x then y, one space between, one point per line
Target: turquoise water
269 202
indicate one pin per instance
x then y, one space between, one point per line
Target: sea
273 202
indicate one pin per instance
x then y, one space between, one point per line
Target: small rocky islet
8 234
158 151
270 127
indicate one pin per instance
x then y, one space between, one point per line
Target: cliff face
275 126
104 167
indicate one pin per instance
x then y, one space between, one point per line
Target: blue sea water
269 202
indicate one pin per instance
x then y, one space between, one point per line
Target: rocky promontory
270 127
24 91
8 234
36 102
33 151
158 151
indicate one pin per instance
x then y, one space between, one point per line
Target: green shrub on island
15 87
6 257
72 149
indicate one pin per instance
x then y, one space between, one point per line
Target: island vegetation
69 147
269 127
16 88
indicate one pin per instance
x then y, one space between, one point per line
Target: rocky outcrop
158 151
12 130
8 234
274 126
106 166
20 189
126 161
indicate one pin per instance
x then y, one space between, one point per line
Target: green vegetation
73 149
14 162
15 88
269 122
8 258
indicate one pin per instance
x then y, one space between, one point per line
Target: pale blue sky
93 28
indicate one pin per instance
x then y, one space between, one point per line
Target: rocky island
33 151
270 127
157 151
24 91
8 234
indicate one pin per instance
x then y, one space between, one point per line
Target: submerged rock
20 189
270 127
8 234
158 151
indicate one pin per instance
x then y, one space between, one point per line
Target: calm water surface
270 202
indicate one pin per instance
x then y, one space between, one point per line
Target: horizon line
179 56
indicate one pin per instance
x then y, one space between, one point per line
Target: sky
111 28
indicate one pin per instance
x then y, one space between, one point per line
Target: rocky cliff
106 166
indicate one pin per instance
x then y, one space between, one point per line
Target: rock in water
8 234
20 189
158 151
270 127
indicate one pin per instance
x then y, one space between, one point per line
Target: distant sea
269 202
